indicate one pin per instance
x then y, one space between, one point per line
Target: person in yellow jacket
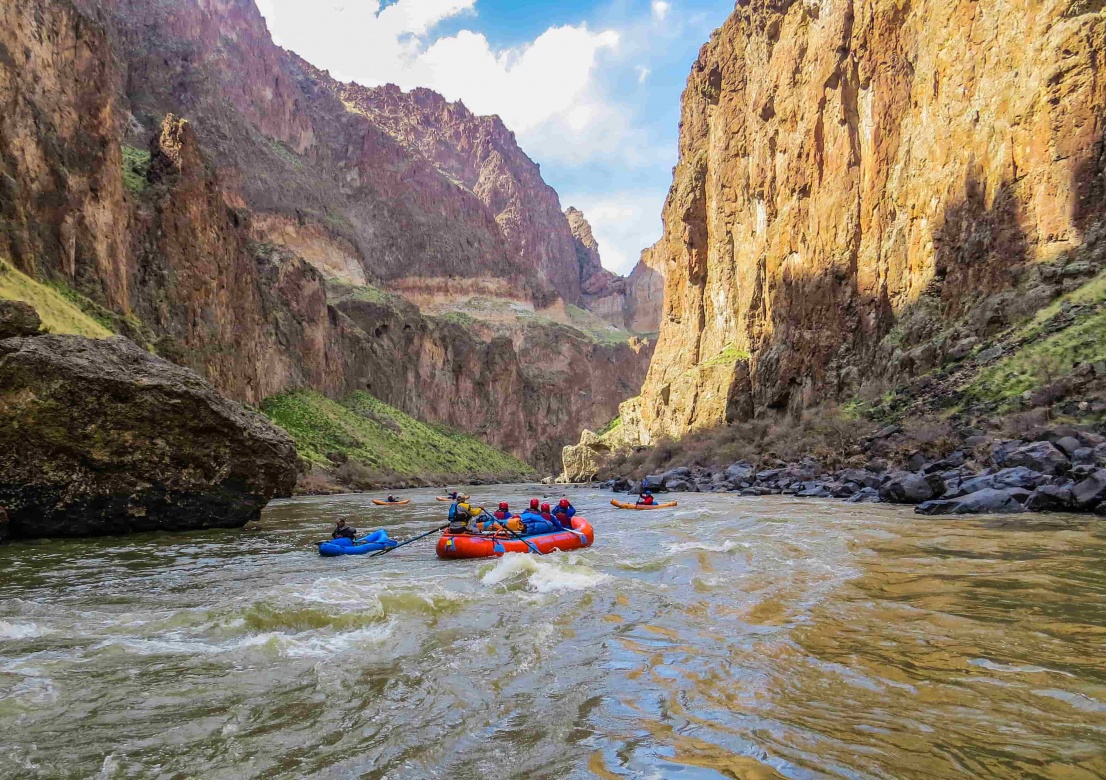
462 513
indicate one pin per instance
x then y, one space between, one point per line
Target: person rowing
645 498
461 513
343 531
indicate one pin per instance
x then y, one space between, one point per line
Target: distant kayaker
454 495
392 499
645 499
564 512
344 531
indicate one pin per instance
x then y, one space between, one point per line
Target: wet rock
911 488
18 319
115 440
865 495
1049 498
1040 456
1091 491
842 489
654 482
1019 477
987 501
678 485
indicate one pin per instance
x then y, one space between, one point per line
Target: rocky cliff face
210 190
860 186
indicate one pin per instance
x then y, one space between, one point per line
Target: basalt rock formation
860 189
210 192
105 438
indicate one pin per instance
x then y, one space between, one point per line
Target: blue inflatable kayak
377 540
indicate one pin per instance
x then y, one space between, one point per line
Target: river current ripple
728 638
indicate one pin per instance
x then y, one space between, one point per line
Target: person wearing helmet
504 511
564 512
344 531
532 520
392 499
645 498
461 513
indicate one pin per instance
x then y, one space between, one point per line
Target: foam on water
726 546
13 631
543 575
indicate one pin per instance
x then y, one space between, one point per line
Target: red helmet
533 503
564 502
545 507
502 504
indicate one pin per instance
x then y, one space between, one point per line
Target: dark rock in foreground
18 319
983 502
101 437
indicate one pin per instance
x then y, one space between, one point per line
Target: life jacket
501 515
569 511
458 518
349 532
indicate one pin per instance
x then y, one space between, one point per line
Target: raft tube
495 545
447 498
378 502
377 540
628 505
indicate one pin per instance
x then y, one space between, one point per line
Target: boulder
982 502
581 462
1084 456
1068 445
679 485
1040 456
739 471
911 488
1091 491
113 439
1049 498
1019 477
865 495
18 319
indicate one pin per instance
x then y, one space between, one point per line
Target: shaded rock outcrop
111 439
849 167
18 319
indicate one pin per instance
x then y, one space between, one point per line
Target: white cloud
661 9
624 223
642 73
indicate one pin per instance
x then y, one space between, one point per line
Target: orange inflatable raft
494 545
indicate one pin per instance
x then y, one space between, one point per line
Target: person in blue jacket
564 512
534 522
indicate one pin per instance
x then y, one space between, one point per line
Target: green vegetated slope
55 305
1070 331
368 431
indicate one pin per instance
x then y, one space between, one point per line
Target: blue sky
590 87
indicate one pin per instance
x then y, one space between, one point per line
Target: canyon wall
217 199
848 168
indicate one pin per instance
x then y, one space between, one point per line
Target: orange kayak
447 498
628 505
495 545
378 502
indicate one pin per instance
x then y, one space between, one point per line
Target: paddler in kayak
645 499
341 530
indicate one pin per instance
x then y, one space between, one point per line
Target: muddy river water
728 638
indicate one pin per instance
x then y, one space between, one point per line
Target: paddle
404 544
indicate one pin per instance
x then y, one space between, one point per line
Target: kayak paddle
402 544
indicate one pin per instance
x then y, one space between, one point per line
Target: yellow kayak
628 505
378 502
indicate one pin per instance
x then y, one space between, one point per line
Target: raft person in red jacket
504 511
645 499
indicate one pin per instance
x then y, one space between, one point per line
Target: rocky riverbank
1059 469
